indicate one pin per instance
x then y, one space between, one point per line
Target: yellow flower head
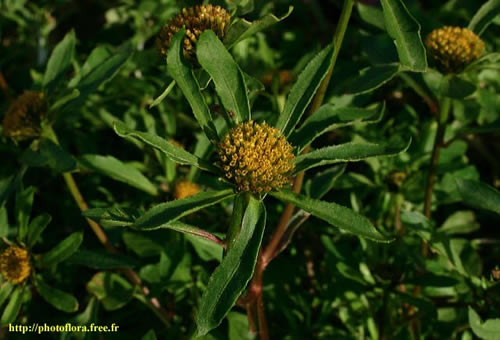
256 157
14 264
454 48
24 116
185 189
195 20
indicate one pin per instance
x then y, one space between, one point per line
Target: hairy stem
254 299
438 143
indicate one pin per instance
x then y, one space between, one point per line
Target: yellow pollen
256 157
453 48
14 264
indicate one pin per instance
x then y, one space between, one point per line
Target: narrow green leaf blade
328 118
479 195
36 227
12 309
57 298
62 250
405 31
336 215
304 89
24 203
175 153
114 168
184 77
228 78
369 79
112 290
60 59
489 330
113 217
484 16
5 291
166 213
242 29
232 275
348 152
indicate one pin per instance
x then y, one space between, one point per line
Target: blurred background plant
438 279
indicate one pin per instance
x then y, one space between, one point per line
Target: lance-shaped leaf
190 230
304 89
62 250
60 60
36 227
242 29
57 298
228 78
5 290
490 329
13 306
328 118
348 152
368 79
232 275
112 290
173 152
479 195
183 75
405 31
484 16
169 212
113 217
114 168
336 215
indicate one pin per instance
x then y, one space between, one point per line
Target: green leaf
206 249
242 29
114 168
232 275
336 215
150 335
50 155
456 87
5 290
36 227
323 181
405 31
57 298
372 15
62 250
175 153
479 195
97 259
163 95
228 78
304 89
166 213
489 330
60 59
12 309
238 327
484 16
460 222
184 77
24 203
4 222
10 184
369 79
113 217
328 118
348 152
112 290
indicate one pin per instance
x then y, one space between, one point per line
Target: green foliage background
326 284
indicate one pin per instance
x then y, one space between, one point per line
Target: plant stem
254 299
421 92
438 143
132 276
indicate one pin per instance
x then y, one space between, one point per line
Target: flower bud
14 264
24 117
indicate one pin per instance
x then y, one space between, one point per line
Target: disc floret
256 158
195 20
14 264
24 117
453 48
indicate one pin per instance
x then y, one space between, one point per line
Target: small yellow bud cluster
185 189
256 157
14 264
195 20
454 48
24 116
